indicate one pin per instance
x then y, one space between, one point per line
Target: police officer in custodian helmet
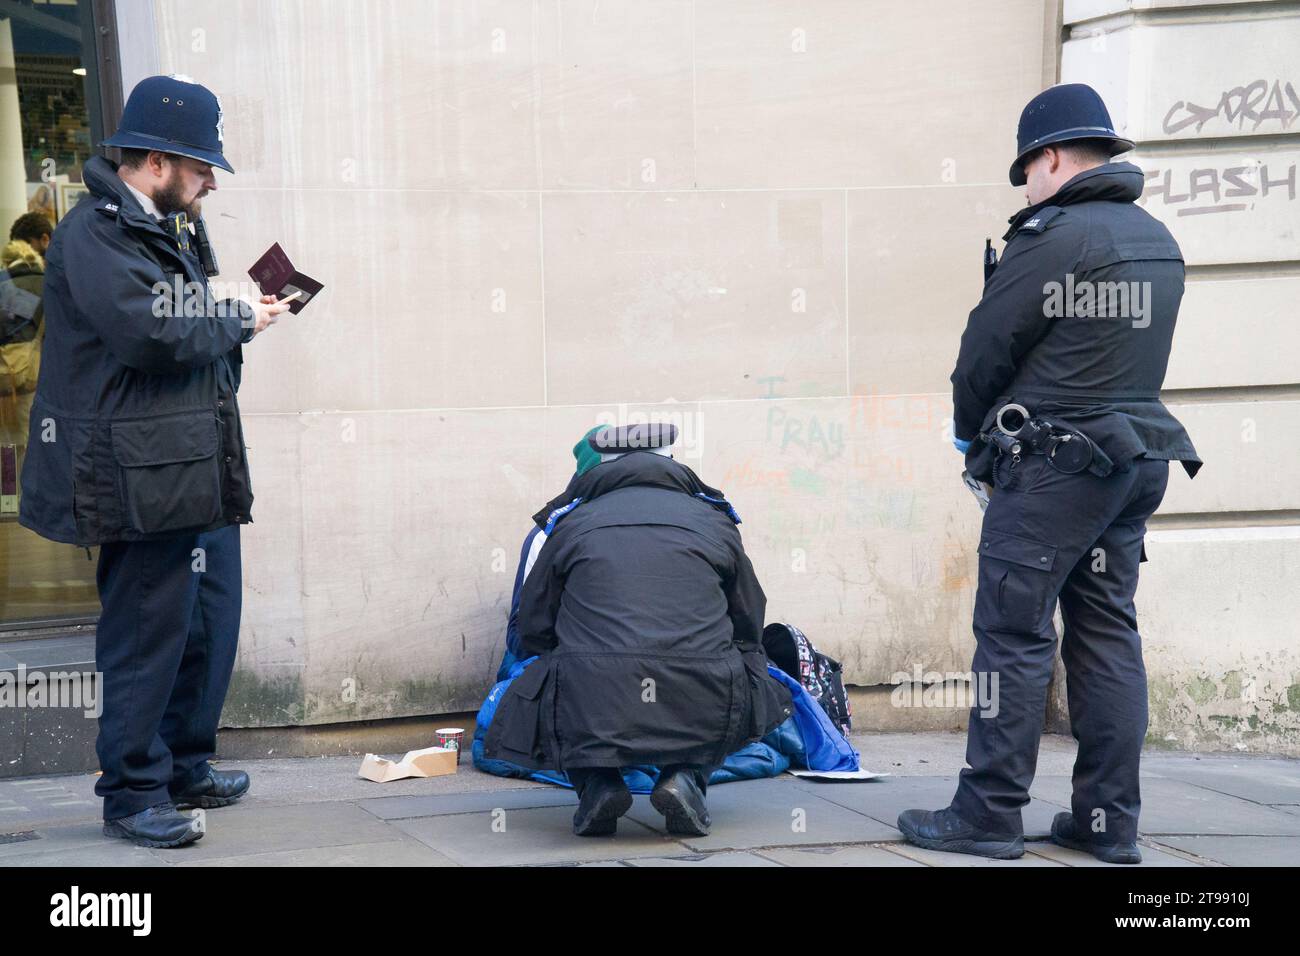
137 447
1056 397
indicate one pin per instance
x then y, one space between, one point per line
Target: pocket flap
755 663
1021 551
165 441
529 684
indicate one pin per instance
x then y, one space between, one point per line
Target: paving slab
1258 779
404 852
249 827
938 753
79 844
937 858
1054 789
329 779
773 812
68 839
1239 850
1174 807
1206 809
1151 856
286 781
707 860
884 800
615 863
532 836
115 853
837 856
430 805
29 803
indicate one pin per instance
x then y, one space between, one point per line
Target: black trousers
165 646
1076 539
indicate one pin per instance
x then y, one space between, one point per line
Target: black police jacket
1076 324
649 620
135 430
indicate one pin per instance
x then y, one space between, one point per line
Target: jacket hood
633 469
18 254
1109 182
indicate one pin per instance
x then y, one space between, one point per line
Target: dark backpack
789 649
18 309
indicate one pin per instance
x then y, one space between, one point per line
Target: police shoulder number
1040 220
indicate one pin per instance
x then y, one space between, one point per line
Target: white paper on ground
839 774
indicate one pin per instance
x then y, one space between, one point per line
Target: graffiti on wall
1255 107
1220 189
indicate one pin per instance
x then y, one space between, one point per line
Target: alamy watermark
919 688
1084 298
690 425
75 690
178 297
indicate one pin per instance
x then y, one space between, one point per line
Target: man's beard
168 199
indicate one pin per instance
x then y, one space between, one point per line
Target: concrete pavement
1198 810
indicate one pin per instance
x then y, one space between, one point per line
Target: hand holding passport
275 275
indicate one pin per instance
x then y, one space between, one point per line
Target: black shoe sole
189 836
680 816
603 820
1100 851
994 850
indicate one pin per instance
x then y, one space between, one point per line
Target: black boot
603 797
1066 833
679 796
158 826
944 830
219 788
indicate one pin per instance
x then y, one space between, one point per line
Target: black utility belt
1017 433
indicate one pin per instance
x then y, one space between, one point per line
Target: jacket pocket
1017 583
620 708
169 471
516 730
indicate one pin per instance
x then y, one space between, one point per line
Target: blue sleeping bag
807 740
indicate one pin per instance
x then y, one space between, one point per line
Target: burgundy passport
275 275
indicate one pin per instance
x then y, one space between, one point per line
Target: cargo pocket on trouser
516 730
169 471
1016 583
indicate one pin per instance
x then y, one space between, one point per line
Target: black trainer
678 797
1065 832
603 797
944 830
161 825
220 788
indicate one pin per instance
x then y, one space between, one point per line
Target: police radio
207 257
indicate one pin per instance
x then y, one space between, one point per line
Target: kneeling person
647 620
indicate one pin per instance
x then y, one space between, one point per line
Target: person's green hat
586 456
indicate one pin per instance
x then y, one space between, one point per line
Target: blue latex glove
962 446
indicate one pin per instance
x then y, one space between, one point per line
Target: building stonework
764 222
